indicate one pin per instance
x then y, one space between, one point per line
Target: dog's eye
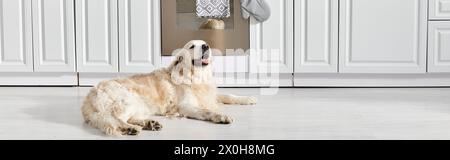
192 47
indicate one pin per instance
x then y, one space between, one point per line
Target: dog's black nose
205 53
205 48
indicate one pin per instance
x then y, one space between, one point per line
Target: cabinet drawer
439 47
439 9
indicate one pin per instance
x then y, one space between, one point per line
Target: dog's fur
124 106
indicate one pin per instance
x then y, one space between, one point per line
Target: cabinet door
97 36
439 47
271 42
383 36
139 23
316 36
54 35
15 36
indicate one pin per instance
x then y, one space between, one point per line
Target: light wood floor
54 113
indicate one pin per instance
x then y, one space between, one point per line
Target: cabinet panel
140 49
316 36
383 36
54 36
439 9
439 47
15 36
272 41
97 35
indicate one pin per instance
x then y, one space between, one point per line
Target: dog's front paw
249 101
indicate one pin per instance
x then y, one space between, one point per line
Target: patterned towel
213 8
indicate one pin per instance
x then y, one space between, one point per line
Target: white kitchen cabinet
316 36
15 36
139 45
69 42
97 36
54 35
272 41
383 36
439 47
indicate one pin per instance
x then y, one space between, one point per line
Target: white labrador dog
187 88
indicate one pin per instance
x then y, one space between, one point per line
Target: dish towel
258 9
213 8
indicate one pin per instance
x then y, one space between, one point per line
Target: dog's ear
178 60
178 54
181 72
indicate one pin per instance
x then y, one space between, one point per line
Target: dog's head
199 53
192 63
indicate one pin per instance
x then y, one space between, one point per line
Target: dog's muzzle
204 61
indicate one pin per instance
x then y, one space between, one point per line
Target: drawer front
439 9
439 47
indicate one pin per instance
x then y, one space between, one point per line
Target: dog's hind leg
108 122
149 125
204 115
107 108
105 123
112 126
127 128
238 100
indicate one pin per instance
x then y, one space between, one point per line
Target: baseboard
92 79
372 80
222 79
244 80
253 80
38 79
